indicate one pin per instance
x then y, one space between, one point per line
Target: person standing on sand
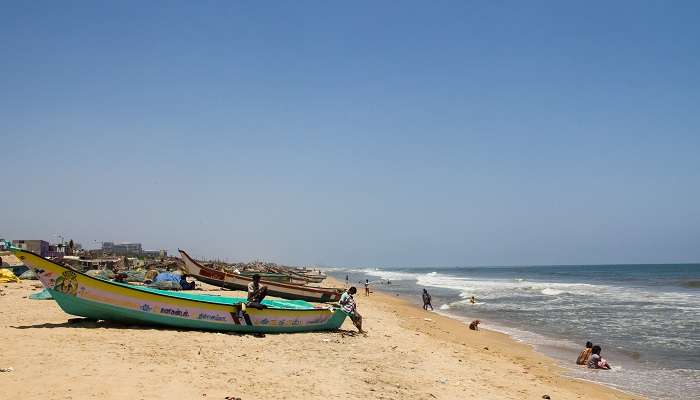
366 287
348 305
585 353
347 280
427 299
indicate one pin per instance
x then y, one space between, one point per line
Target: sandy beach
408 353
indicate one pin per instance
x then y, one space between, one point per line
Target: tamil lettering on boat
211 317
175 311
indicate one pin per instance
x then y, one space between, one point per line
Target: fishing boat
309 277
240 282
276 277
82 295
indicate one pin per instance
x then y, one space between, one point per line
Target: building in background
155 253
107 247
122 249
57 251
40 247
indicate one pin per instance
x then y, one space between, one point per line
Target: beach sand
403 356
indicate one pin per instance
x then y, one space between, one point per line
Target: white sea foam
552 292
388 275
627 315
495 288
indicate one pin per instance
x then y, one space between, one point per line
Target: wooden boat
304 278
79 294
275 277
240 282
310 277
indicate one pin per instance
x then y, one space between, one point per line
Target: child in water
595 361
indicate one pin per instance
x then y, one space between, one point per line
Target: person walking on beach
585 353
366 287
347 280
427 299
348 305
256 292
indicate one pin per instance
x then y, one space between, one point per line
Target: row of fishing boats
240 282
90 297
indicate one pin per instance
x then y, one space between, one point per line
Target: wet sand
403 356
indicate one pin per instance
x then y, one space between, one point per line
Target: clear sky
356 133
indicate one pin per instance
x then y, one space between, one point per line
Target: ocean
646 318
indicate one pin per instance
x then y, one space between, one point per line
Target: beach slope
408 353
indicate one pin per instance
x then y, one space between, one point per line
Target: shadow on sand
86 323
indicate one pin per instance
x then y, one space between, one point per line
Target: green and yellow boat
82 295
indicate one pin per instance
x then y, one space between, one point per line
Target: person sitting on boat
256 292
596 361
427 299
348 305
185 284
585 353
120 277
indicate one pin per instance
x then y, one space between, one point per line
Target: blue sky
371 133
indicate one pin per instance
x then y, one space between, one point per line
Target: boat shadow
86 323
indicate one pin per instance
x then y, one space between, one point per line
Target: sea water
645 317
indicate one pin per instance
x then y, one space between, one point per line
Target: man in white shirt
348 305
256 292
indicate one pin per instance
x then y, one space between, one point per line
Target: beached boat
79 294
308 277
275 277
240 282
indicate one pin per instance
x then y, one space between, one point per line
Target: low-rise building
57 251
155 253
40 247
122 249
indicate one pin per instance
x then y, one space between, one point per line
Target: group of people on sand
366 283
591 358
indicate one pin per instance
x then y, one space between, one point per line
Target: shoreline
565 371
550 313
406 354
519 351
